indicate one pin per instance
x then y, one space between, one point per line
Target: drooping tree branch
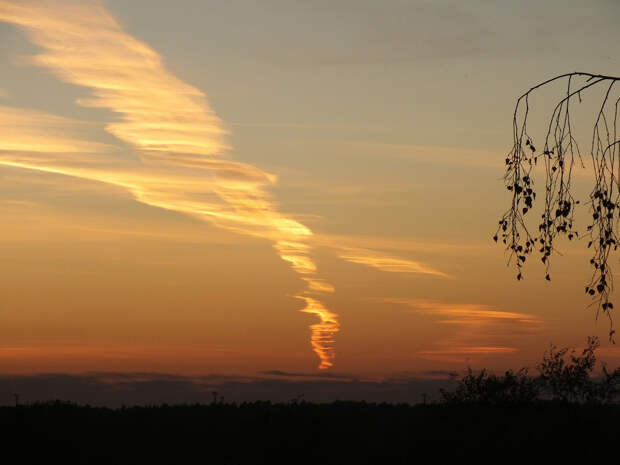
560 152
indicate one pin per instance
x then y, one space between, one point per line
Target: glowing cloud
400 245
85 45
175 157
386 263
475 323
178 137
323 332
30 131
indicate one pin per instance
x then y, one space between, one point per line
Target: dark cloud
289 374
117 389
441 373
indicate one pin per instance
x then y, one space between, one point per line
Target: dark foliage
486 387
563 376
305 433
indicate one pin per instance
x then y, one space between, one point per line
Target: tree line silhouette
562 413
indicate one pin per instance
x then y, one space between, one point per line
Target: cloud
27 133
441 374
400 245
323 332
117 389
481 330
288 374
84 45
318 285
385 262
447 354
178 140
176 152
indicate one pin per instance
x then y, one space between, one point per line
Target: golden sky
230 187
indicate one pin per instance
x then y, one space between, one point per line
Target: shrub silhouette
608 390
563 376
485 387
569 378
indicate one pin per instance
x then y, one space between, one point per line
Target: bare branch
560 151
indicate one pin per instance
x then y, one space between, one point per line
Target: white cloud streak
178 137
480 329
180 161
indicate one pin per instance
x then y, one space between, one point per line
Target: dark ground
304 433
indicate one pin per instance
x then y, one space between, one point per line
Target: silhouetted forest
336 433
564 414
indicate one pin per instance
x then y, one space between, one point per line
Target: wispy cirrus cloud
179 141
84 45
385 262
27 133
398 245
172 151
480 329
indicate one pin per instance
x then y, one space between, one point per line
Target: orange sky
174 203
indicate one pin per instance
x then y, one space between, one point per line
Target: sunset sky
235 186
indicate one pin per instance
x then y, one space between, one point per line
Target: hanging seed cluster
559 156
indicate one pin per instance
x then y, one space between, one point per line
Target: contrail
179 142
179 139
